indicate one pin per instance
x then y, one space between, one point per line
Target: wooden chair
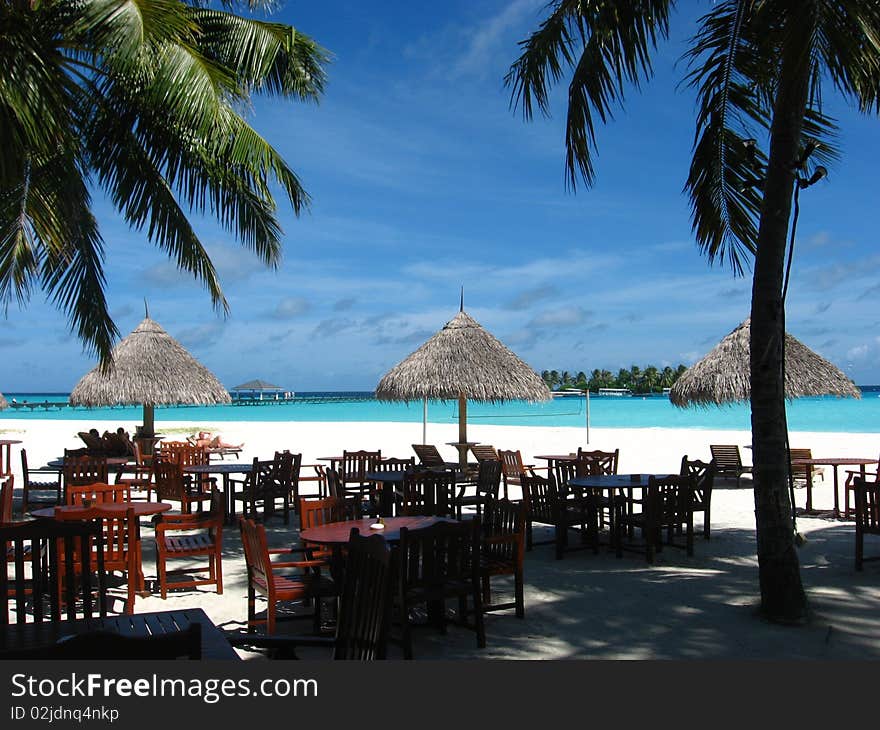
188 536
427 493
388 465
867 515
98 494
428 455
704 478
849 486
503 550
353 471
33 591
548 503
172 486
352 505
595 463
513 469
275 581
81 470
364 617
665 507
141 472
804 472
45 484
482 452
728 462
6 489
486 486
317 512
437 563
119 550
102 645
602 462
268 481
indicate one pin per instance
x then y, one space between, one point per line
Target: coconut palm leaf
616 38
140 97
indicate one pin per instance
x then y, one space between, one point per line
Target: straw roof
149 367
462 359
723 376
257 385
3 403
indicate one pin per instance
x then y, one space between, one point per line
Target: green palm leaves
141 99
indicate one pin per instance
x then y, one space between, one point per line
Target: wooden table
6 456
140 509
214 643
834 462
225 470
338 533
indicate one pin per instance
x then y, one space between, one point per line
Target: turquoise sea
804 414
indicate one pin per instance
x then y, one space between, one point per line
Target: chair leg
706 522
160 574
478 616
218 570
859 549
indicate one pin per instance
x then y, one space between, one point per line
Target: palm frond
848 44
734 99
268 57
608 45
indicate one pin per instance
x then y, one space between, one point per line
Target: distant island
635 379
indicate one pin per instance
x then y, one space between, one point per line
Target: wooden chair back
445 555
504 531
31 565
256 555
79 470
6 500
51 479
182 453
317 512
800 472
394 464
867 515
483 452
601 462
170 482
539 496
364 618
427 493
99 493
489 478
355 464
428 455
512 465
726 457
272 479
119 547
335 488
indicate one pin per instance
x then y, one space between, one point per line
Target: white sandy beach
585 606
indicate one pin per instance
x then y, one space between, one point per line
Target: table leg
836 501
809 508
230 500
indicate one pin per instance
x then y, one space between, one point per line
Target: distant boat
616 392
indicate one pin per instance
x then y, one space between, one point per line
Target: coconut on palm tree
141 103
759 68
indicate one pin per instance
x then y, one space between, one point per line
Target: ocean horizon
827 413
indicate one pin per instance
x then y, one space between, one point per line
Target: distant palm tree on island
760 69
634 379
141 103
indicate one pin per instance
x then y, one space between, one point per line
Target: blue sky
423 181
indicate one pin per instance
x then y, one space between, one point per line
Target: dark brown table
225 470
337 533
833 462
214 643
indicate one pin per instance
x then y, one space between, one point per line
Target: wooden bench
728 462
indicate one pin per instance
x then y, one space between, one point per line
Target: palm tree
651 378
139 102
758 67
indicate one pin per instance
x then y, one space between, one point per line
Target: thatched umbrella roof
151 368
465 362
723 375
3 403
257 385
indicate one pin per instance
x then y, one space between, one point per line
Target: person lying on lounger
206 440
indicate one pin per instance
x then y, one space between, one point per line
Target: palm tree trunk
782 594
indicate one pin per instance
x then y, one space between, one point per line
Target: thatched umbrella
149 367
723 376
464 362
